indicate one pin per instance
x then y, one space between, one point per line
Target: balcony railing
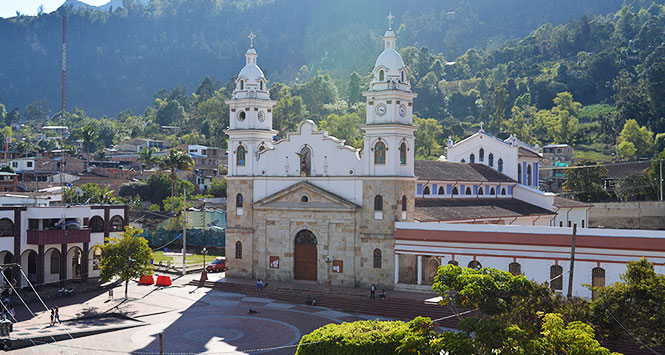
42 237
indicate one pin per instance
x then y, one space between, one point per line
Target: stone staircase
391 307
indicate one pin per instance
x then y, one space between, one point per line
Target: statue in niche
305 161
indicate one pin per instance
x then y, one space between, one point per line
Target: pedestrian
372 291
258 284
382 295
52 316
57 315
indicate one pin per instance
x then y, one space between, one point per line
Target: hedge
361 338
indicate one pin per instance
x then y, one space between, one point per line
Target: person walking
52 316
57 315
372 292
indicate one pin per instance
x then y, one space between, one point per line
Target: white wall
501 150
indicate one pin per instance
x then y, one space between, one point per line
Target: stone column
396 268
85 262
63 264
420 269
40 265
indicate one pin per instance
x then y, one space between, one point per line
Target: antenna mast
64 65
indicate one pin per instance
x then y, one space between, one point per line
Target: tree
147 156
354 89
346 126
171 113
127 257
218 188
640 137
585 181
88 134
174 161
565 114
289 111
427 137
638 302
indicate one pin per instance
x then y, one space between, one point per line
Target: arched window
528 175
500 165
480 191
492 192
238 250
453 262
515 268
240 156
378 203
6 227
55 262
239 201
519 173
455 191
402 153
242 85
441 190
490 159
597 281
472 158
426 190
117 224
582 223
503 191
261 85
402 76
381 75
474 264
556 277
379 153
304 199
468 191
377 258
96 224
404 203
481 155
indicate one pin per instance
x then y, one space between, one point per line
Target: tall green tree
127 257
639 136
174 161
147 157
427 138
88 134
565 113
585 181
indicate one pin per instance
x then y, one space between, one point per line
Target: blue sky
8 8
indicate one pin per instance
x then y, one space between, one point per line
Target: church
308 207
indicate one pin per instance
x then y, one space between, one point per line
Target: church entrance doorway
305 256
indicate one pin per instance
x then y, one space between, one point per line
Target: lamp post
204 252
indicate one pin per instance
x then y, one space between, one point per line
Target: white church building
309 208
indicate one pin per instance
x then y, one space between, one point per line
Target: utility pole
184 230
661 180
572 263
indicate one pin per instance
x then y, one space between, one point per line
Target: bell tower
250 118
389 141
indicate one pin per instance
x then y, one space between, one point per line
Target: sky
8 8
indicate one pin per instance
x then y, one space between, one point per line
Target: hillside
118 59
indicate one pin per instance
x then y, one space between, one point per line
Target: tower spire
251 39
390 18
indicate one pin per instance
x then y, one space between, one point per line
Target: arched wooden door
305 256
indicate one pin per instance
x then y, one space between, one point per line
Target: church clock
380 110
402 110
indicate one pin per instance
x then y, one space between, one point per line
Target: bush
362 337
218 188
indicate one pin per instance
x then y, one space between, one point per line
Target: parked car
217 265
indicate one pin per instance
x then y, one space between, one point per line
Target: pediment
317 199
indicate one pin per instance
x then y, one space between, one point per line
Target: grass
594 152
198 258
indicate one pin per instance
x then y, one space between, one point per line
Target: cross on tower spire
390 18
481 126
251 39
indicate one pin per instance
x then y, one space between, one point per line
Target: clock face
241 116
402 110
262 116
380 110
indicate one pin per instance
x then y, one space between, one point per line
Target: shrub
362 337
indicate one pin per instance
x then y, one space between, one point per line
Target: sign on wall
338 266
274 262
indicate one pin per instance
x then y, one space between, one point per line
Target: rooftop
474 208
561 202
452 171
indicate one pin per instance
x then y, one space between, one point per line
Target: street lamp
204 252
